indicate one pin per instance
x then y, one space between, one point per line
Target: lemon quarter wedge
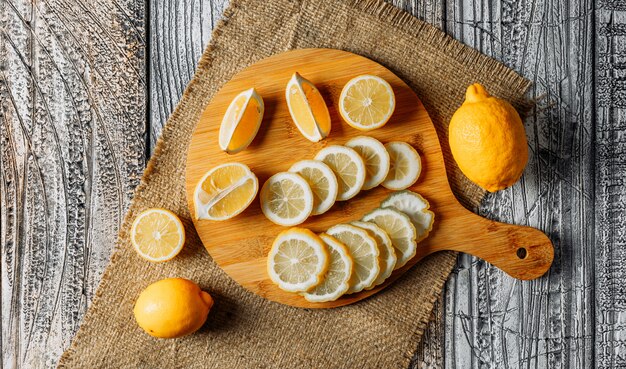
307 108
241 121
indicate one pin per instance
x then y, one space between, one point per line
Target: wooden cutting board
240 245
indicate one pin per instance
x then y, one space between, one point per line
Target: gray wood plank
610 99
496 321
72 131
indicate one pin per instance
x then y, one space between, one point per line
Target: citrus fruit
322 181
241 121
416 207
387 256
172 307
298 260
364 252
405 167
376 159
348 166
157 235
400 230
225 191
366 102
335 282
307 108
487 140
286 199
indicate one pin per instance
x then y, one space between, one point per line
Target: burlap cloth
244 330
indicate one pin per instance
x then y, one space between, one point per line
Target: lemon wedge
241 121
307 108
322 181
366 102
157 235
286 199
376 159
335 282
348 166
225 191
364 252
405 167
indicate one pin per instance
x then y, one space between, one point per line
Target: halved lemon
348 166
367 102
307 108
286 199
298 260
322 181
225 191
376 159
400 230
416 207
387 257
335 282
405 167
157 235
241 121
364 252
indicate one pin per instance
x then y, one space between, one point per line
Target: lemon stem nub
476 92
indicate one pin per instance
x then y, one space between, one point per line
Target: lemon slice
297 260
241 121
376 159
366 102
225 191
399 228
335 282
348 166
387 257
307 108
405 167
416 207
322 181
157 235
364 252
286 199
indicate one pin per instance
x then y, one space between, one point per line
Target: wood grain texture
72 149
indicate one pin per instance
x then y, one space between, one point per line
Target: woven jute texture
244 330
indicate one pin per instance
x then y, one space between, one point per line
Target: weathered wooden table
85 87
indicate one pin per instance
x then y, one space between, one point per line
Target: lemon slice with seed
364 252
348 166
335 282
157 235
286 199
376 159
241 121
307 108
366 102
416 207
400 230
297 260
322 181
405 167
387 257
225 191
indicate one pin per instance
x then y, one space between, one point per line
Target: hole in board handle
522 253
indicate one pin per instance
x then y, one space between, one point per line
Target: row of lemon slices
338 173
349 258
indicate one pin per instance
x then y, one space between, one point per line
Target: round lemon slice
399 228
348 166
366 102
286 199
405 167
298 260
335 282
416 207
225 191
307 108
241 121
364 252
388 257
322 181
376 159
157 235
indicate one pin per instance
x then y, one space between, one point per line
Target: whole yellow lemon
487 140
172 308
